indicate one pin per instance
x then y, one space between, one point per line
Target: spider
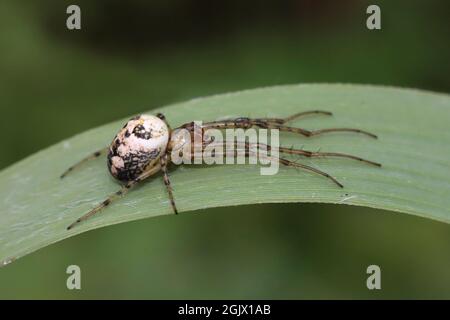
143 147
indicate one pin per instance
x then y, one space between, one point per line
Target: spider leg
283 161
163 162
124 190
246 123
308 168
310 133
93 156
312 154
295 116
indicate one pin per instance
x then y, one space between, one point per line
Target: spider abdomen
140 143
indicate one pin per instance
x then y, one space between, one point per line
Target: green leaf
413 146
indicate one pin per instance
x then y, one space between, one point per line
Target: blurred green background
136 55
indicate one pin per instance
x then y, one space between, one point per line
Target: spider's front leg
124 190
253 149
314 154
295 116
249 150
93 156
274 123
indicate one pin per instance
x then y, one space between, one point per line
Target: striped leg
124 190
273 123
93 156
251 152
295 116
164 163
311 154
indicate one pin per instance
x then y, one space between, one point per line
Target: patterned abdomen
137 147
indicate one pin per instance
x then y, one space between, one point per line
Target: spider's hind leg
124 190
93 156
103 204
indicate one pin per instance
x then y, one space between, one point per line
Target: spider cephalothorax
143 147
